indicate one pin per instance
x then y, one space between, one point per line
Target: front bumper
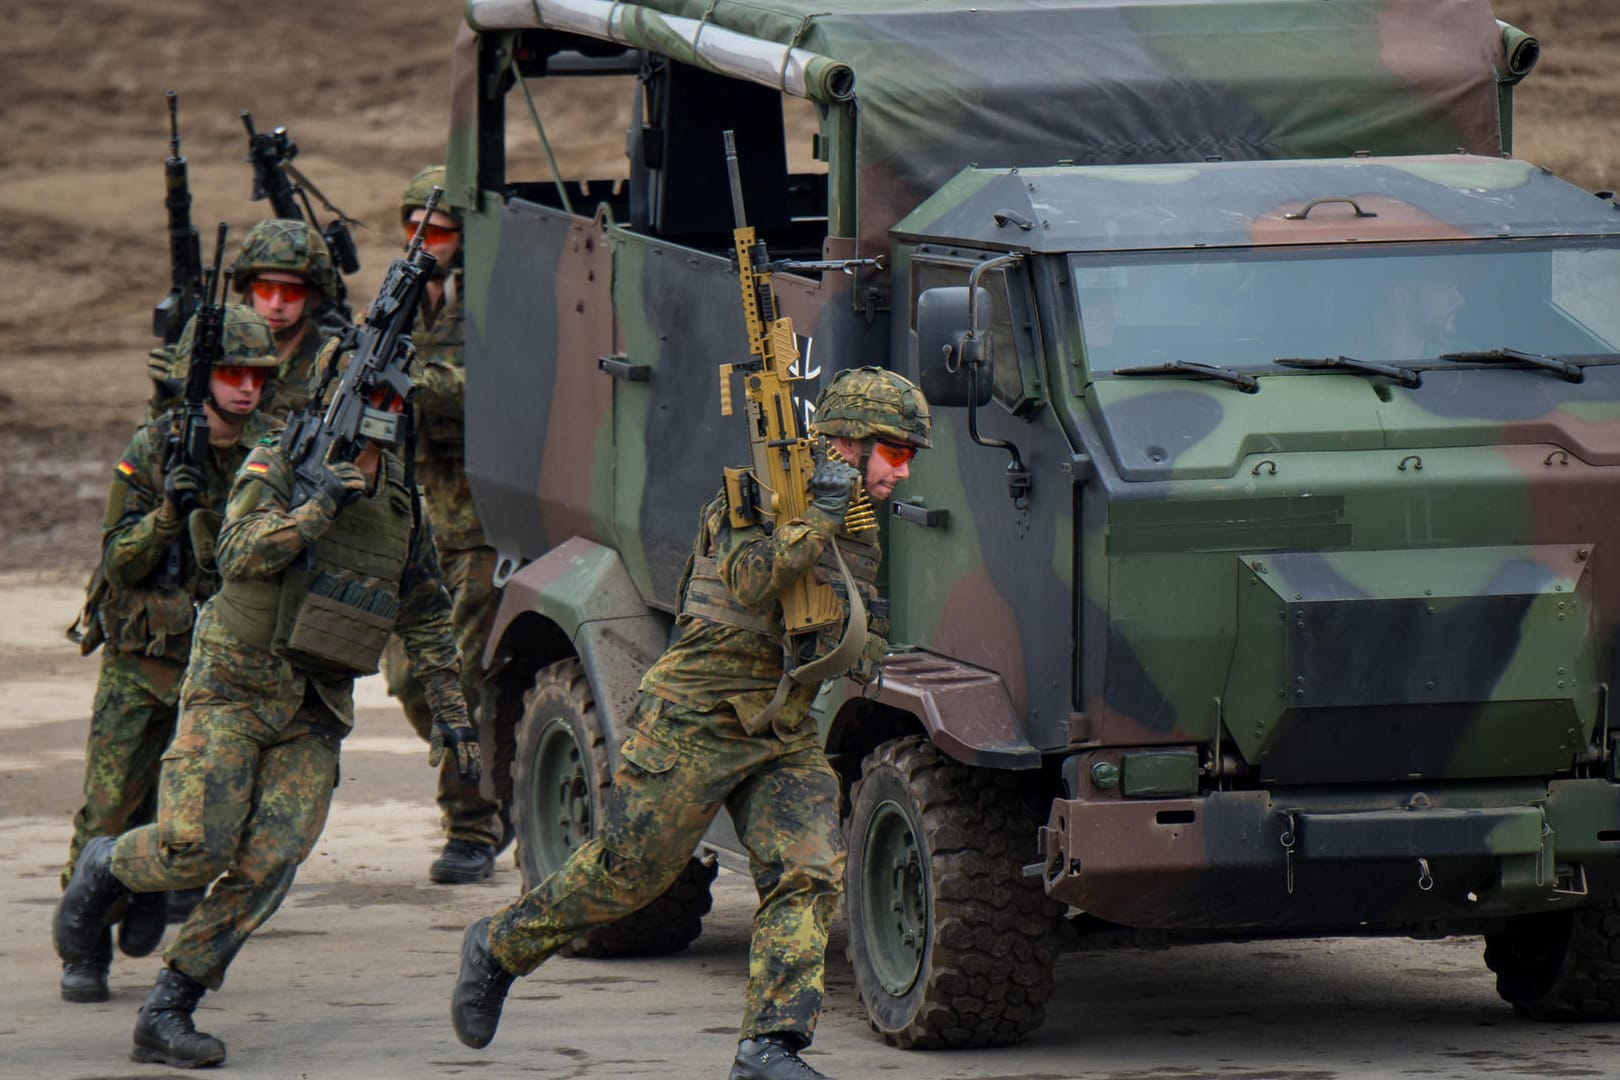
1379 858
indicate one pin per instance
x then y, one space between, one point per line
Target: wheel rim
894 899
559 796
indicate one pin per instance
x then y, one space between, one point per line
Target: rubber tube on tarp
798 72
1521 49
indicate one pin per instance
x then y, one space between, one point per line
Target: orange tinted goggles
896 454
385 400
242 377
288 292
433 234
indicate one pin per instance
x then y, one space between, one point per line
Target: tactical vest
332 610
704 595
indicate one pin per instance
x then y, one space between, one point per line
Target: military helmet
420 189
864 402
291 247
247 342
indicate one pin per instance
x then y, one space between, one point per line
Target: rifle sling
835 663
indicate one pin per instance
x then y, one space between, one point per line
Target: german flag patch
257 468
125 469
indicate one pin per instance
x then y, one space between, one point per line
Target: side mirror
943 347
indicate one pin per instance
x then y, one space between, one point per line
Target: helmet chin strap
225 414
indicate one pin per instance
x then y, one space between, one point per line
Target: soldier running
702 739
248 779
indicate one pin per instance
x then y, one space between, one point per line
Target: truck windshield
1385 303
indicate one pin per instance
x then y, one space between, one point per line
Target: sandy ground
351 978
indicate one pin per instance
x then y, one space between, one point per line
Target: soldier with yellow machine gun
781 580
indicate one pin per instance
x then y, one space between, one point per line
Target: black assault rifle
276 178
169 318
187 441
382 352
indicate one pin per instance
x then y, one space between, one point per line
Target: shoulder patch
125 469
257 468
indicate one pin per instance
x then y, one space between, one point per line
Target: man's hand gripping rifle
376 376
276 178
775 488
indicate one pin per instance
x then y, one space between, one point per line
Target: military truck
1256 583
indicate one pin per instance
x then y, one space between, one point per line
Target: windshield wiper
1569 371
1246 383
1407 377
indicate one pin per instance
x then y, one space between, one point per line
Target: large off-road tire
951 945
560 775
1560 966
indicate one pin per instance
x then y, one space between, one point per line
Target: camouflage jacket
712 663
296 376
135 614
259 539
441 401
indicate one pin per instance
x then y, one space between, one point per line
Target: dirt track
361 84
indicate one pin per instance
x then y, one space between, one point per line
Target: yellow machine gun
774 488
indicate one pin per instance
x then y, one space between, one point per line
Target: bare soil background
363 87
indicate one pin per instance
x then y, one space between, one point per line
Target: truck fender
584 590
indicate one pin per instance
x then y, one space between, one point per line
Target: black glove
341 484
831 486
183 488
460 740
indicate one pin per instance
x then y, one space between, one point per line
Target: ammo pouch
331 611
332 624
154 622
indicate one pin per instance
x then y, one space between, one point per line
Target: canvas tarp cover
1032 82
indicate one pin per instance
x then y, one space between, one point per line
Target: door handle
621 366
929 517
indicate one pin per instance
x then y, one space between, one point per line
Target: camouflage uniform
147 629
704 738
467 560
146 625
248 779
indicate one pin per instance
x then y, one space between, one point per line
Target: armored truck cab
1255 584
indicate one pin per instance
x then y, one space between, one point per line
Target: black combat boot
481 986
773 1056
463 862
81 916
163 1030
86 979
145 919
182 902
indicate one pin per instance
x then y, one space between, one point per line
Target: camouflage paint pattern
1116 626
147 629
679 767
464 813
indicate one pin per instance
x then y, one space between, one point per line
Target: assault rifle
187 442
170 316
775 487
382 352
276 178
